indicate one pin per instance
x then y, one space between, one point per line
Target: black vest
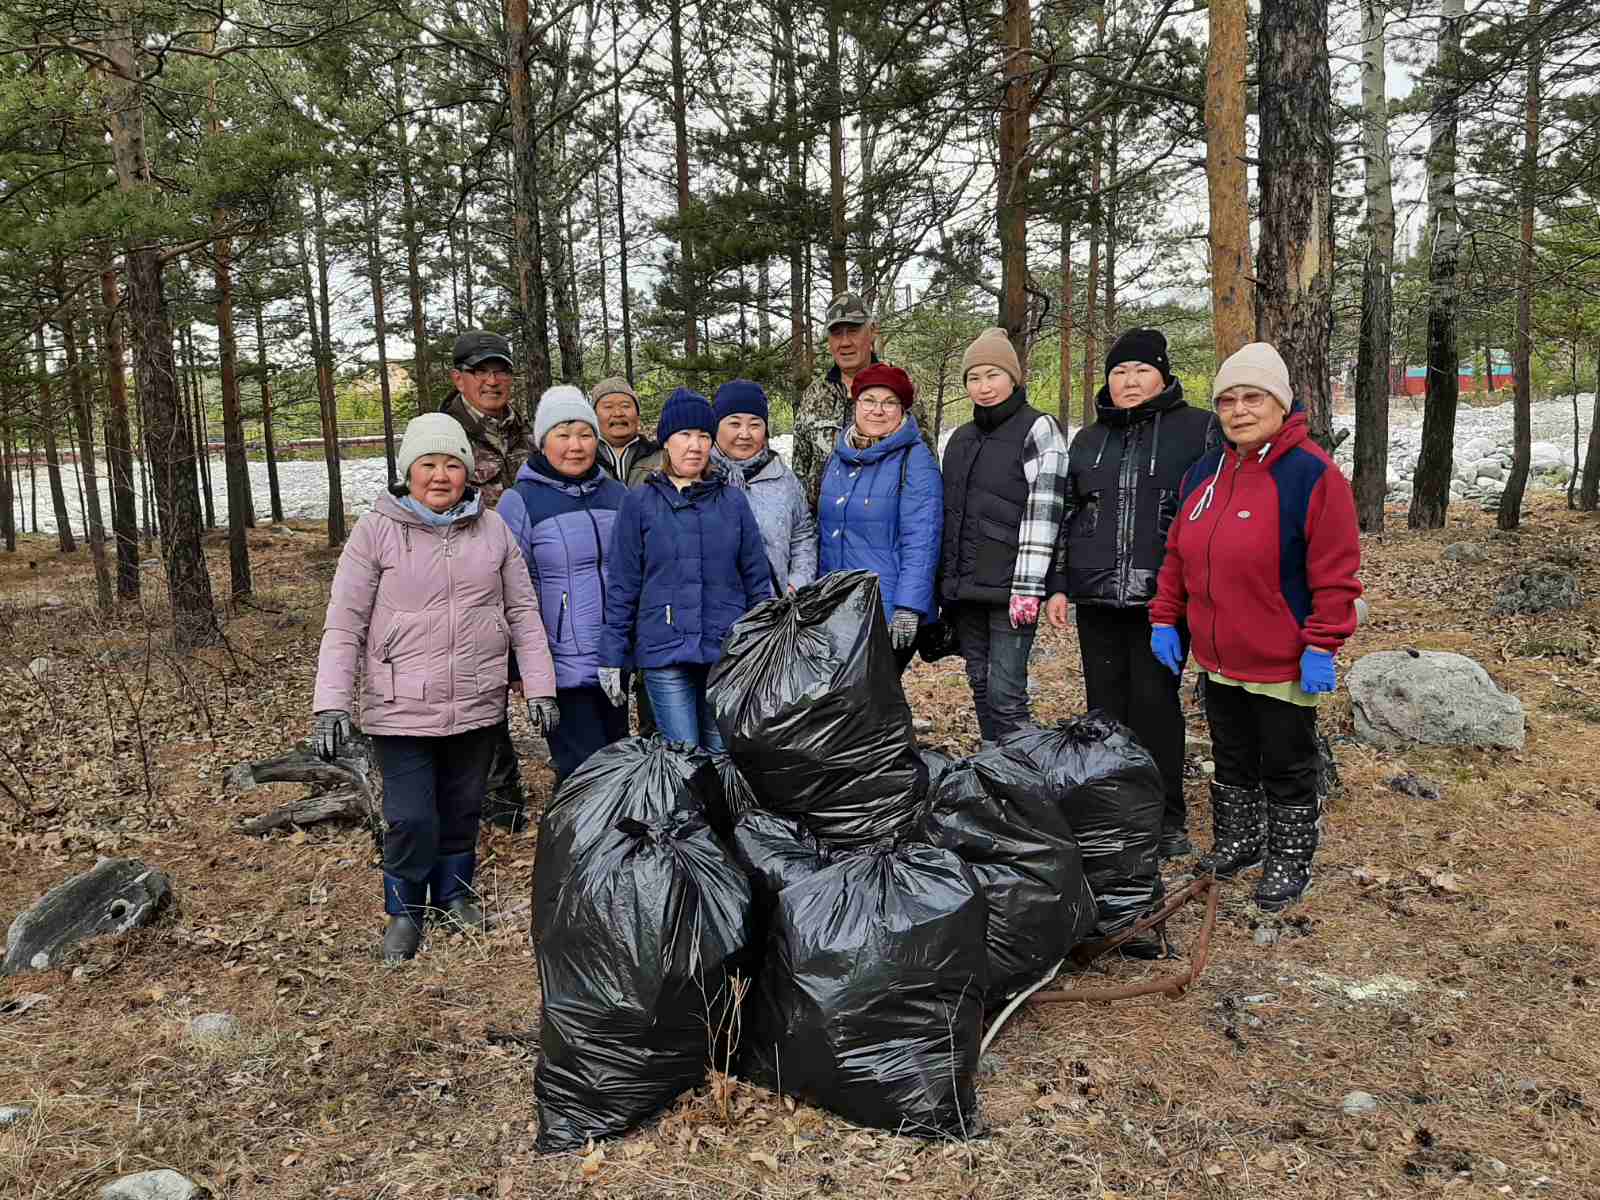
985 495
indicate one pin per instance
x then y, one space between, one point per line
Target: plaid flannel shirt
1044 466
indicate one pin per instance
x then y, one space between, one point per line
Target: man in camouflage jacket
826 406
501 443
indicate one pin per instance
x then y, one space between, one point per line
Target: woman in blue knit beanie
687 561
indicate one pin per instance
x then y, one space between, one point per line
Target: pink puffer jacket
430 615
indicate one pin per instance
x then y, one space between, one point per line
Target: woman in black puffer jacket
1123 476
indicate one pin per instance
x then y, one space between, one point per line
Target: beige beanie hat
1258 365
432 433
993 349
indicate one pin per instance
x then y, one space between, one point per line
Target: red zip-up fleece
1262 558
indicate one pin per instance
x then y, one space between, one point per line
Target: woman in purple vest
561 511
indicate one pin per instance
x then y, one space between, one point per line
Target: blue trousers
678 696
588 722
432 796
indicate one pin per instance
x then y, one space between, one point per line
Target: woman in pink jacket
431 595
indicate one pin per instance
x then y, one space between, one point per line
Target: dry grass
1446 962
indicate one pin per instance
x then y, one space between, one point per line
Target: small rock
1363 610
214 1027
1496 1167
921 725
1253 1021
1358 1104
1410 784
165 1184
1528 1087
1261 997
1266 936
40 667
1471 552
1399 698
14 1114
1208 767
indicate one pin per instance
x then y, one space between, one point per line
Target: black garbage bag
1000 814
870 1000
634 965
774 852
937 761
646 779
807 695
732 793
1113 796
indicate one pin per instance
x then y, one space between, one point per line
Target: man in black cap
501 443
826 406
501 439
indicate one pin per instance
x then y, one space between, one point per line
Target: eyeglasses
877 404
1250 400
487 372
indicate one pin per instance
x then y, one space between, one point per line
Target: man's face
487 386
619 419
851 346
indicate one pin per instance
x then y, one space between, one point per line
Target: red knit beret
884 376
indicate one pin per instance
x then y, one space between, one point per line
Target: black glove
330 730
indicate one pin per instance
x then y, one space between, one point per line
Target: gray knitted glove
329 731
903 629
544 714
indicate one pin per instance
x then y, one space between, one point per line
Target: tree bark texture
1371 462
622 215
78 390
52 456
119 441
1510 514
268 443
1430 486
1295 261
527 254
1233 317
1589 493
408 191
317 315
380 328
838 263
1012 171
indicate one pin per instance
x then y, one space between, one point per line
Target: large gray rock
1545 456
1541 588
165 1184
1402 697
112 897
1470 552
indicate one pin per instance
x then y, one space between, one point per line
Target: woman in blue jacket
881 506
687 561
561 511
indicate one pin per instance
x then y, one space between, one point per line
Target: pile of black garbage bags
861 901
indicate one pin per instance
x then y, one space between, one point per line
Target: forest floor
1447 963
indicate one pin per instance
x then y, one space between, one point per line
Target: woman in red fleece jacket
1262 561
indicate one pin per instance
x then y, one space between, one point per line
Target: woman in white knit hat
1262 561
431 596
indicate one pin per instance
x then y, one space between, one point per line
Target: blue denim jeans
678 696
997 667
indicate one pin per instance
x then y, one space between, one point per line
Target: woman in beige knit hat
1004 493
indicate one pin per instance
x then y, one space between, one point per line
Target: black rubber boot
1291 843
1175 843
1238 831
507 808
451 886
405 902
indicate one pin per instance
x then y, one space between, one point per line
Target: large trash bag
774 852
1113 796
1000 814
937 761
807 695
643 778
634 964
870 999
733 794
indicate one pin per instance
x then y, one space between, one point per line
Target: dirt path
1446 963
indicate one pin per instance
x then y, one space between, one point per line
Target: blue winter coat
564 528
684 566
866 520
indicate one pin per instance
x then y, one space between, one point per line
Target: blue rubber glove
1164 644
1316 671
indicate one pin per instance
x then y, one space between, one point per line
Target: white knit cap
1257 365
432 433
559 405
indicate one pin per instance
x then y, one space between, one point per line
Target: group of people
558 559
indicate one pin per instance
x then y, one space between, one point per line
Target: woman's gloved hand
611 685
903 629
1168 649
1316 671
544 714
330 730
1024 611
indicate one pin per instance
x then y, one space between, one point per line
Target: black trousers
1123 678
1262 741
432 797
504 780
588 722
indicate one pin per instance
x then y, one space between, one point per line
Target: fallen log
112 897
325 806
352 788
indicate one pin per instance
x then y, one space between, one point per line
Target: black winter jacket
1123 476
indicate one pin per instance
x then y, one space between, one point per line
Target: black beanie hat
1148 346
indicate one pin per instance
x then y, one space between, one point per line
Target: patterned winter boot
1291 841
1238 831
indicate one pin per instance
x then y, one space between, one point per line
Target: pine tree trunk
838 263
1012 171
1589 495
197 415
325 389
1510 514
559 270
1091 289
1430 486
622 216
380 328
52 456
680 135
119 441
1371 462
1233 318
419 313
269 445
794 187
78 389
1064 401
1295 261
8 462
526 252
325 397
233 454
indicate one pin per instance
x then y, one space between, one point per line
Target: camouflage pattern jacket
499 446
825 409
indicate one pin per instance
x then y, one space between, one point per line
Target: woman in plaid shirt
1004 493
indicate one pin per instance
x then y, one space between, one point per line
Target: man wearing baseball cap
501 443
826 406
